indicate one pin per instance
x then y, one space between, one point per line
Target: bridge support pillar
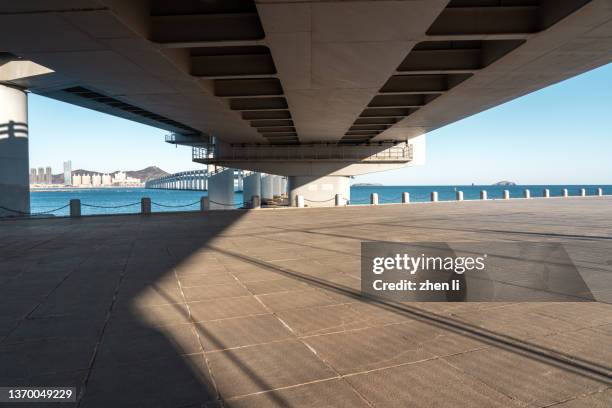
251 186
283 186
14 163
319 191
277 186
221 190
267 187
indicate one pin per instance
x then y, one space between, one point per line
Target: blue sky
559 135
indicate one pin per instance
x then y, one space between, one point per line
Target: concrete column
582 192
318 191
600 191
405 197
299 201
240 184
546 193
506 194
483 195
374 199
267 187
283 186
276 186
221 190
434 196
459 195
14 162
251 186
145 205
527 193
564 192
255 201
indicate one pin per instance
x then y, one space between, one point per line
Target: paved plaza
262 309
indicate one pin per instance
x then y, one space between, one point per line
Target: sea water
95 201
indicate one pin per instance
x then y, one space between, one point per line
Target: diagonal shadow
201 388
560 360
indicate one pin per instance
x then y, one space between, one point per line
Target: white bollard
459 195
374 199
582 192
483 195
299 201
506 194
204 204
434 196
338 200
255 202
406 197
546 193
527 193
565 194
600 192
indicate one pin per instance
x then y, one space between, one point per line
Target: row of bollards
339 201
484 195
145 205
255 202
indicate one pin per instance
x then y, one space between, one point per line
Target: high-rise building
96 180
40 177
48 176
68 173
86 180
32 176
107 180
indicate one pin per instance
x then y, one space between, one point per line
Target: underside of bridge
370 75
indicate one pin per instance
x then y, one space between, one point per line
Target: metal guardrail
403 152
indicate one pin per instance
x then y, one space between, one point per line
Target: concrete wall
14 162
319 191
221 190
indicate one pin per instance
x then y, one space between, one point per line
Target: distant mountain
148 173
367 185
505 183
145 174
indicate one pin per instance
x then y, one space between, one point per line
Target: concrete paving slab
216 309
265 367
524 379
427 384
297 299
186 382
241 331
274 286
212 291
331 393
367 349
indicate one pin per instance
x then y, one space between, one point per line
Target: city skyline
558 135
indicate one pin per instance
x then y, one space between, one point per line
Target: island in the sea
505 183
367 185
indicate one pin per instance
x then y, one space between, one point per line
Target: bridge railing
373 153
